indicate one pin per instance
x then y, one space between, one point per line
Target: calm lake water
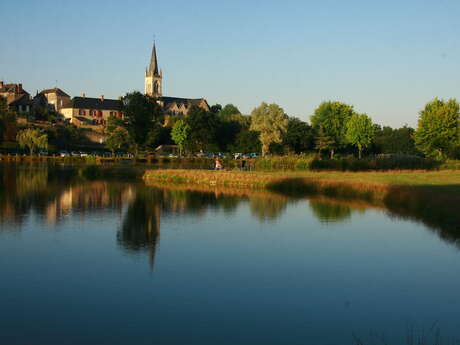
113 262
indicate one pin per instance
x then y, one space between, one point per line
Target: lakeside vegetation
429 196
270 163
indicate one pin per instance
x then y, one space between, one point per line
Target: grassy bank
264 179
432 197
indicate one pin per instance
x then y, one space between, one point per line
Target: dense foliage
119 139
32 139
394 140
332 118
359 132
271 122
143 117
180 134
438 132
203 130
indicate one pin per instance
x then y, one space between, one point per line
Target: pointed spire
153 68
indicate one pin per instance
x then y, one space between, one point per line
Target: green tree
394 140
203 129
323 141
271 122
246 141
45 114
332 117
67 135
216 108
228 111
32 139
154 136
114 123
142 114
299 136
180 134
119 139
360 132
438 131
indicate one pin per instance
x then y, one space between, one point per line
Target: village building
55 99
88 111
153 86
17 98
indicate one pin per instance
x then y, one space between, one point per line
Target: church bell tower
153 78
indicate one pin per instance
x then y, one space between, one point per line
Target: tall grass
382 162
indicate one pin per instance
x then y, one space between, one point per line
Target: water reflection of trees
328 212
267 209
54 192
141 224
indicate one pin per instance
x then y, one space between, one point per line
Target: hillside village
150 121
55 105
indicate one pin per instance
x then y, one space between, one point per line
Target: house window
99 113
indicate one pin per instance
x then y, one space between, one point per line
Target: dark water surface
111 262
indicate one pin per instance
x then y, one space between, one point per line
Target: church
153 87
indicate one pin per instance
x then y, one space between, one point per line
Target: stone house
17 98
55 98
91 111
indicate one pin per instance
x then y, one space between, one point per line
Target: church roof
153 67
96 103
178 100
182 104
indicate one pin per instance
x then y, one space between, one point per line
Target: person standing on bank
218 164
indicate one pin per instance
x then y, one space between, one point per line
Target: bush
301 162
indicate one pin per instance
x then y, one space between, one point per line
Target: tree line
334 127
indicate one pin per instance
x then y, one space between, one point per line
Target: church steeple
153 77
153 68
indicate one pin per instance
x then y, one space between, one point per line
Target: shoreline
432 197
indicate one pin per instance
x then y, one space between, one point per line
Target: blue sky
386 58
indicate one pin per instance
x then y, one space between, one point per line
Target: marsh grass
349 163
430 197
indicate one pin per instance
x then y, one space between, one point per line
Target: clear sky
387 58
